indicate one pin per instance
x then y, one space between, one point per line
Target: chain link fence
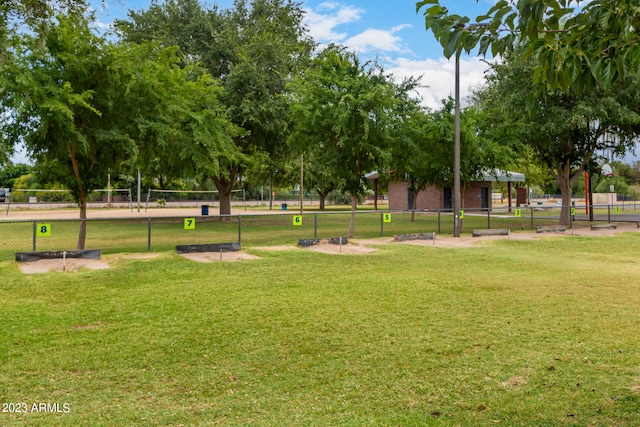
157 234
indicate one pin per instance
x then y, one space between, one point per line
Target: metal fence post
315 225
489 218
381 224
149 234
609 213
570 220
34 235
439 221
531 209
239 229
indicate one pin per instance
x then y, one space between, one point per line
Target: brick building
477 196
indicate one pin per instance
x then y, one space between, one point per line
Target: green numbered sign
43 230
518 213
617 209
573 211
461 214
297 220
189 223
386 217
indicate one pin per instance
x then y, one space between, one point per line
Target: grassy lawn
514 333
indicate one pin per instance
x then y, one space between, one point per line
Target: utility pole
301 182
456 152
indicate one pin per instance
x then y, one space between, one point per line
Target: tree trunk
414 204
564 181
82 233
323 198
225 186
82 198
352 221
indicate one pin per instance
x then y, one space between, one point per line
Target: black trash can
204 210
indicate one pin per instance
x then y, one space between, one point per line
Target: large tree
564 130
348 110
253 49
579 56
80 102
66 84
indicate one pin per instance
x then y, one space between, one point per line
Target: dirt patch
514 382
219 256
76 264
89 326
466 241
348 249
70 265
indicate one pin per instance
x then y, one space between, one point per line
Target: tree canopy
565 130
576 44
253 49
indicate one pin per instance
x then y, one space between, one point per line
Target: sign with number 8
43 230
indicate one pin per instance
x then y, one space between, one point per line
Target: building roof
498 175
495 175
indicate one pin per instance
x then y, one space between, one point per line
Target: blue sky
387 29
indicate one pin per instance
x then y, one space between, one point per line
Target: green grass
514 333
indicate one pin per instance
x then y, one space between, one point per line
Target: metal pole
489 219
108 190
34 235
139 189
301 182
590 199
315 225
239 229
456 152
381 224
149 234
531 218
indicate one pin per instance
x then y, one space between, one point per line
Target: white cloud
322 25
439 76
373 40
